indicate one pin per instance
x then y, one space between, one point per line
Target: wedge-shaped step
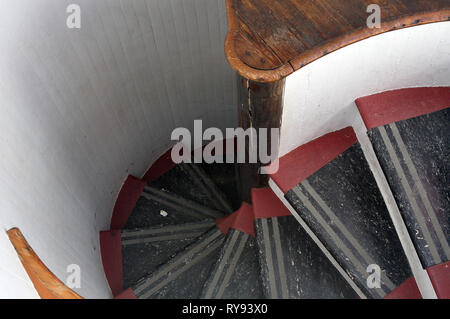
410 133
292 265
160 207
415 156
236 275
129 255
224 176
143 250
184 275
193 183
342 205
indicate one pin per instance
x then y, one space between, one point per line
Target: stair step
143 250
341 203
236 275
414 155
292 266
224 176
194 184
184 275
159 207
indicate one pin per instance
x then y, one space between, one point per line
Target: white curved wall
319 98
81 109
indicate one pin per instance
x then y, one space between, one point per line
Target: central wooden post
260 106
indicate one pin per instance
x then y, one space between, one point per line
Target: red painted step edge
241 220
407 290
126 201
111 252
267 205
398 105
126 294
440 277
165 163
160 167
305 160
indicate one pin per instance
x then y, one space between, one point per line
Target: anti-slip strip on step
414 155
180 203
158 207
183 181
236 274
158 234
144 250
129 255
292 265
223 175
352 221
203 181
184 275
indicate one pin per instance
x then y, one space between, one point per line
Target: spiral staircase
182 232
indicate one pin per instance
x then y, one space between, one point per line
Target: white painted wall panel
81 109
319 98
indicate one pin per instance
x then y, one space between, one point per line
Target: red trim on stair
160 167
165 163
394 106
407 290
111 251
126 294
440 277
126 201
241 220
267 205
305 160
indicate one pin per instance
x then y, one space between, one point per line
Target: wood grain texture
270 39
47 285
260 106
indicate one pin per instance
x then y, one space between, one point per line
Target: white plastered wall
319 98
81 109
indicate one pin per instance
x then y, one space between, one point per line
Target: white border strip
420 274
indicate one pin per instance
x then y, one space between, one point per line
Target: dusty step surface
193 183
224 176
414 155
409 132
292 266
352 220
143 250
331 187
184 275
157 206
236 274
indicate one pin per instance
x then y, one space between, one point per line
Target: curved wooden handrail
267 40
46 283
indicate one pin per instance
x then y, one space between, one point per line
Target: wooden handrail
47 285
269 40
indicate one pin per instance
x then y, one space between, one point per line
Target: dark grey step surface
415 157
293 266
160 207
343 206
224 176
236 274
184 275
144 250
193 183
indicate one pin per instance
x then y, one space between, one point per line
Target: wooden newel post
260 106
